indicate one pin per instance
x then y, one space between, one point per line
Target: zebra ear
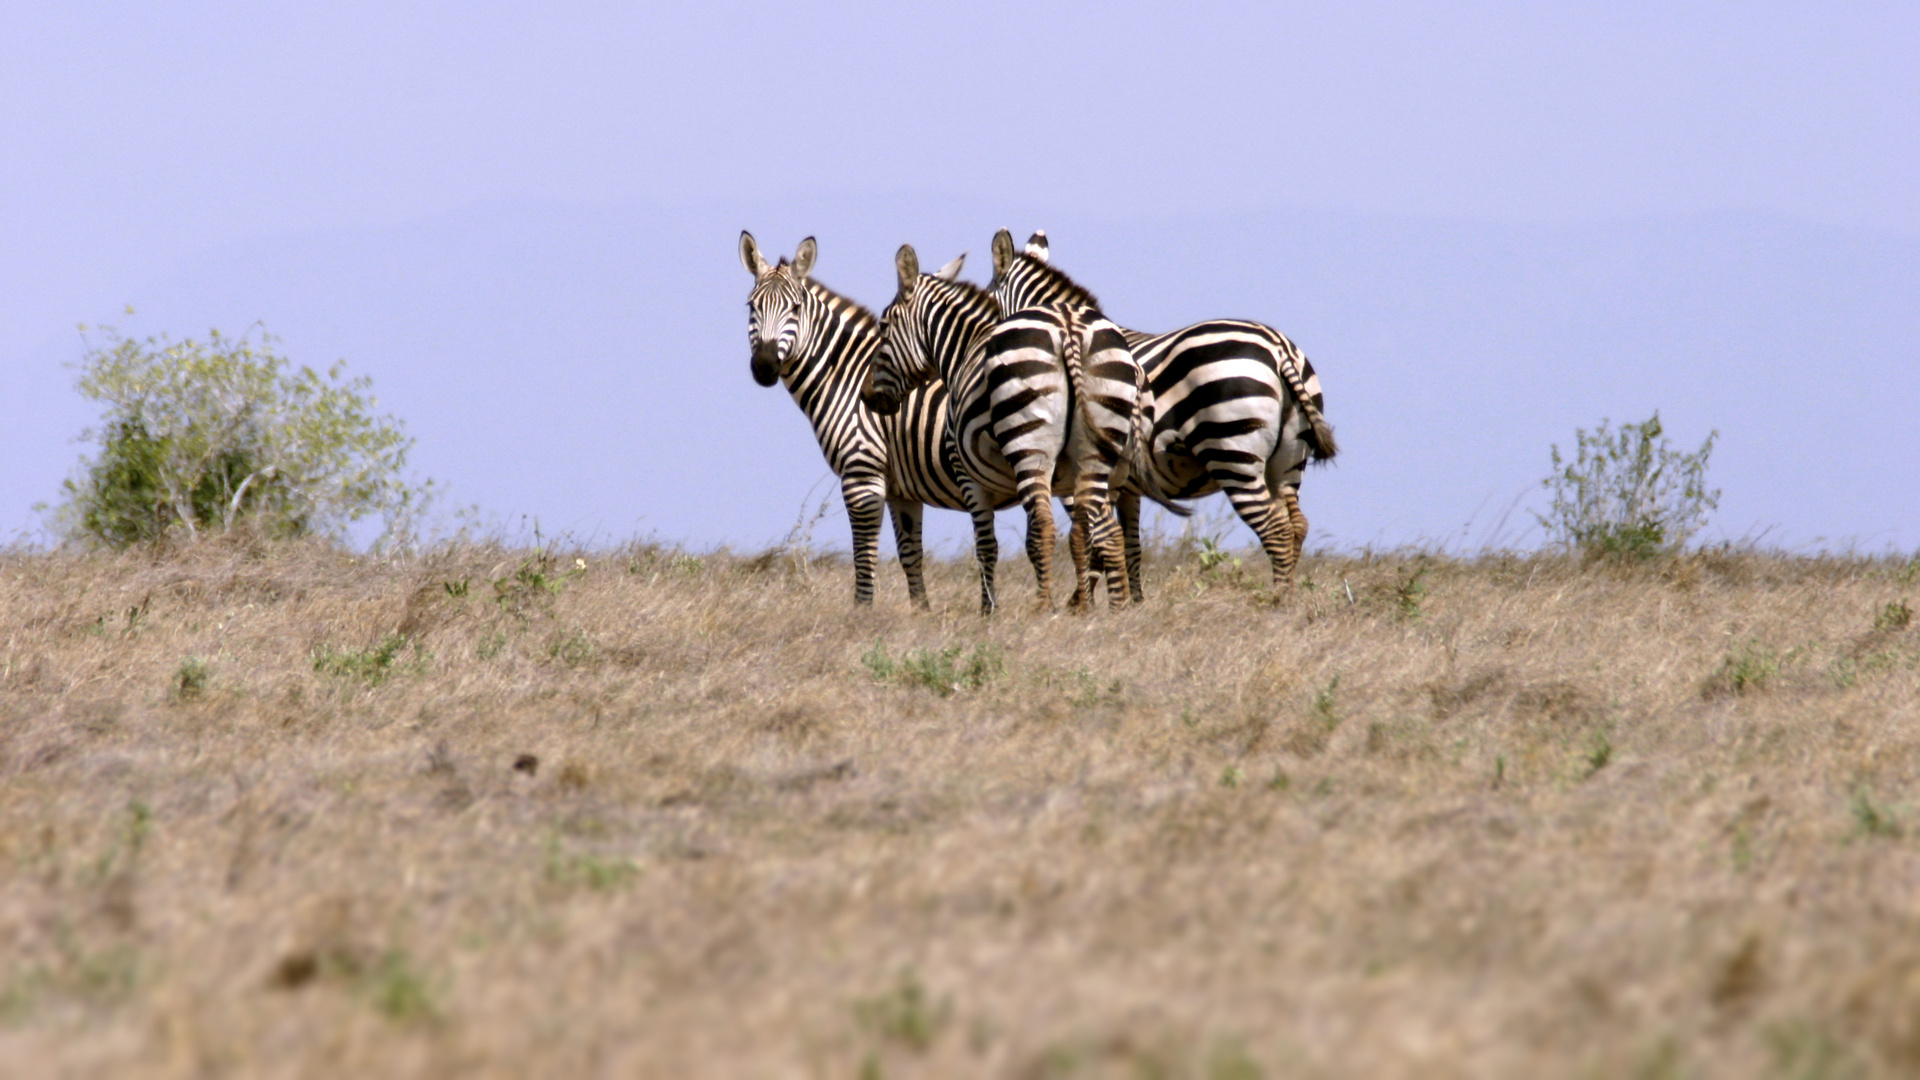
951 271
750 255
803 258
908 264
1037 245
1002 252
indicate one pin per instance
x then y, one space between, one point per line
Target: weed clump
1627 494
190 679
1746 670
905 1015
944 671
1896 616
578 870
1871 819
372 666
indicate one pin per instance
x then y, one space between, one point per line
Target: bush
201 435
1627 493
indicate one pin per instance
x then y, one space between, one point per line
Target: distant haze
1485 231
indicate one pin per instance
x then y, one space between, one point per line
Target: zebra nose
766 363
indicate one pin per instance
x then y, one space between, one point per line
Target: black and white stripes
972 398
821 344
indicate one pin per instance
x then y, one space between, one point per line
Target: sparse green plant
1803 1051
1408 594
491 645
582 870
1084 690
456 589
372 666
1211 557
1627 494
906 1015
1280 781
1231 776
1872 819
1893 618
1325 705
1747 669
1661 1061
1599 752
573 648
199 435
538 577
686 565
1230 1061
944 671
399 991
190 679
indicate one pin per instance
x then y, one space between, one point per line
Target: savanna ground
269 809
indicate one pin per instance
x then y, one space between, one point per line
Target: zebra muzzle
766 363
879 402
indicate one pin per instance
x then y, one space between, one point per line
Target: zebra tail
1142 450
1320 436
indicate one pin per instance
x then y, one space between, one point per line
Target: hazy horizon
1487 228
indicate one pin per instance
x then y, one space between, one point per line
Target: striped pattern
1055 346
1237 408
821 345
935 332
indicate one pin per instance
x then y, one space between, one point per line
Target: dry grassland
272 810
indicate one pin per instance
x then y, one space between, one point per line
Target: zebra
1011 411
1108 404
821 345
1235 407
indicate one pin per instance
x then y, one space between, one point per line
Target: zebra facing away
821 344
1109 406
1012 412
1236 408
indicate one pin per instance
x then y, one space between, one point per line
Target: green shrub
945 672
198 436
1744 671
906 1015
372 665
190 679
1627 494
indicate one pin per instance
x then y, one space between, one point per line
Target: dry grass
278 811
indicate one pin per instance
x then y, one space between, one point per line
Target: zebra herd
973 399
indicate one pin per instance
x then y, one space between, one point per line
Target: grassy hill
277 810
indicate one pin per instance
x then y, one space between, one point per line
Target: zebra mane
1055 281
854 311
966 294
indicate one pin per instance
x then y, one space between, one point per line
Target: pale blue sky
1487 224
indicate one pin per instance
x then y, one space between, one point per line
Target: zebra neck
842 339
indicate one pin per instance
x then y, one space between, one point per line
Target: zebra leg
865 495
986 545
1078 548
1129 506
1108 551
906 538
1269 521
1033 472
1291 494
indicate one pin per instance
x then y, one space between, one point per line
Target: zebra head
905 360
1025 278
777 309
